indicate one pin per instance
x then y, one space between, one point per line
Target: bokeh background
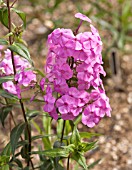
113 19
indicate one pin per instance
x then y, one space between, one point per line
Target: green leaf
21 50
77 120
47 165
88 135
22 15
18 162
42 136
4 159
15 135
3 41
84 147
75 138
4 111
5 94
6 78
70 147
32 113
7 150
4 16
93 164
5 167
26 168
22 143
39 72
47 129
56 152
80 159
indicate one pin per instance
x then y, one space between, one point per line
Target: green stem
62 134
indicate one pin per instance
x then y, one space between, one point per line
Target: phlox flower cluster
73 69
24 75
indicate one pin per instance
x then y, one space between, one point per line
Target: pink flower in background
10 87
26 78
42 83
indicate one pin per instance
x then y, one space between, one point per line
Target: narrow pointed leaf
15 135
80 159
4 16
6 78
5 94
75 138
20 50
4 111
7 150
3 41
56 152
22 15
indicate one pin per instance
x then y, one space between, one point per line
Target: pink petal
83 17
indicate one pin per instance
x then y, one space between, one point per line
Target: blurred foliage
114 18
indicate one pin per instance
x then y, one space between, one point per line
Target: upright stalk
68 163
62 134
14 69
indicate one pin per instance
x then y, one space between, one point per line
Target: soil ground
115 145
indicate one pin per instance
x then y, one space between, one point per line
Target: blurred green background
112 18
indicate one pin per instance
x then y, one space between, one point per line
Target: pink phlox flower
61 86
10 87
1 47
90 119
42 83
83 17
50 61
83 85
53 113
68 116
6 66
101 103
95 31
77 107
21 63
85 72
65 103
49 102
7 54
63 70
26 78
49 89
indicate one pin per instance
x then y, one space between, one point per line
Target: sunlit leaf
56 152
75 138
80 159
